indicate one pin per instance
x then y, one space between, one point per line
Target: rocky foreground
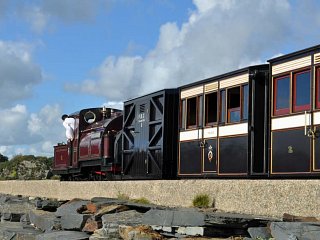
102 218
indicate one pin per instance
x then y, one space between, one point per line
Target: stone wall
259 197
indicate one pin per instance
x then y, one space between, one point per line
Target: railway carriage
222 125
150 129
295 114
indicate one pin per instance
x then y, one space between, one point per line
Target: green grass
201 201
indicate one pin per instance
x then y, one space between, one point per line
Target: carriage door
141 138
135 138
209 157
316 121
291 123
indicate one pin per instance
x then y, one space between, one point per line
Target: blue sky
59 56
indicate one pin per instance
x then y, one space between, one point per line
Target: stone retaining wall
259 197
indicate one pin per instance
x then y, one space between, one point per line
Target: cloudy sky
59 56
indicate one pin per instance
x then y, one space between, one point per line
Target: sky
61 56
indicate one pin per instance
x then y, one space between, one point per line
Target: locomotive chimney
104 112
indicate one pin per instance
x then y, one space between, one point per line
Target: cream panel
234 81
317 58
316 118
291 122
211 87
291 65
236 129
210 132
190 135
191 92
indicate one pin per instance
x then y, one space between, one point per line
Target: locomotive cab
91 153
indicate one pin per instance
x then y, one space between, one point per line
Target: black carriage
149 141
295 114
222 125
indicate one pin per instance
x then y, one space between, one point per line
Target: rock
130 218
11 217
102 234
14 208
138 233
70 207
74 221
63 235
46 221
92 225
292 218
17 231
295 230
191 231
47 205
101 209
259 232
183 217
111 223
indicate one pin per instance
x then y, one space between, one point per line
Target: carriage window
245 101
301 88
281 95
234 98
223 106
192 112
183 113
211 108
318 86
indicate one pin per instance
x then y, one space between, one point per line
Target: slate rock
15 231
295 230
236 220
63 235
74 221
259 232
292 218
70 207
46 221
131 218
185 217
92 225
138 233
47 204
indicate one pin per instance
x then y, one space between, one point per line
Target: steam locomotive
259 121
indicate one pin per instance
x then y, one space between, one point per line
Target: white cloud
219 36
30 133
113 104
19 74
41 14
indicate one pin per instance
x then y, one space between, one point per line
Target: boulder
292 218
181 217
63 235
14 230
295 230
260 232
74 221
92 225
47 204
70 207
46 221
138 233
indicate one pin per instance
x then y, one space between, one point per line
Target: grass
201 201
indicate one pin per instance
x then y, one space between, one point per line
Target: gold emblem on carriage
290 149
210 153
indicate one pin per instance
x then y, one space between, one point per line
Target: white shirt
69 123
